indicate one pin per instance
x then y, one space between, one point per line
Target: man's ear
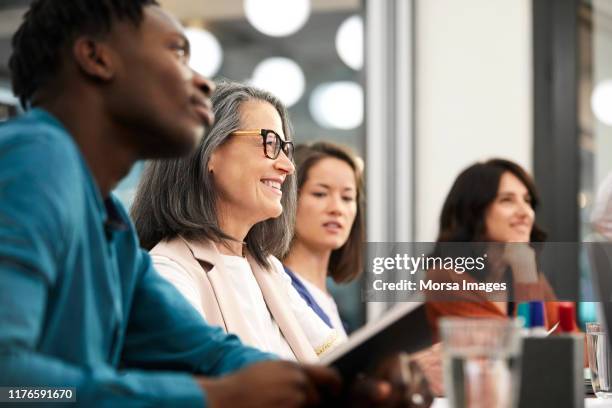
94 58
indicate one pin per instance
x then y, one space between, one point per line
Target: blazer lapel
278 304
207 253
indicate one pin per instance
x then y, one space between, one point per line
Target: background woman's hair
463 214
346 262
178 197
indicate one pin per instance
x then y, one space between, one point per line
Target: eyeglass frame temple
263 134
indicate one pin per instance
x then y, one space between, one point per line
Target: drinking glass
599 360
481 362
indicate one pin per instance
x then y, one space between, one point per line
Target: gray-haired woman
213 220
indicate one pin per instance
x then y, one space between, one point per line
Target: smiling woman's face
249 183
510 216
327 205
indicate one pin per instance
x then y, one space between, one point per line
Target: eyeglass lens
273 144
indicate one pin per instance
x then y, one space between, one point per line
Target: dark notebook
403 328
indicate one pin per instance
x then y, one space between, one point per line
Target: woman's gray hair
177 197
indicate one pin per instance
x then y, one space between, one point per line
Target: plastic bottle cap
567 314
524 312
536 315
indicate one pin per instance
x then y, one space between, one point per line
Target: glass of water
481 362
599 360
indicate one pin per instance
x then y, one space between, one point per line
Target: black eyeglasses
272 142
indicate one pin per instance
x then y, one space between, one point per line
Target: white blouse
327 303
257 317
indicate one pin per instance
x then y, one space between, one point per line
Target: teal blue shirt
80 303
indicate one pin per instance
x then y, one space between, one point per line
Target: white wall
473 93
602 71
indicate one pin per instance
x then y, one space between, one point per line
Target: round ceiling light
337 105
206 52
349 42
282 77
277 18
601 102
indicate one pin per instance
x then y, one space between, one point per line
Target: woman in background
494 202
329 229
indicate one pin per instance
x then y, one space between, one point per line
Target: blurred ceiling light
280 76
337 105
349 42
206 52
277 18
583 200
601 102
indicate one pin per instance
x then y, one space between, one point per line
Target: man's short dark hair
49 26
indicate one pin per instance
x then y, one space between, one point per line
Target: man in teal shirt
80 305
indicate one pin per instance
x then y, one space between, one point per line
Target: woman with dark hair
213 220
329 229
472 195
492 202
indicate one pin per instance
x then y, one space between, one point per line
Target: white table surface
588 403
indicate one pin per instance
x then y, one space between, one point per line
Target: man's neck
108 159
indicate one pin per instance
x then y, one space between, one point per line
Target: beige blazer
203 262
